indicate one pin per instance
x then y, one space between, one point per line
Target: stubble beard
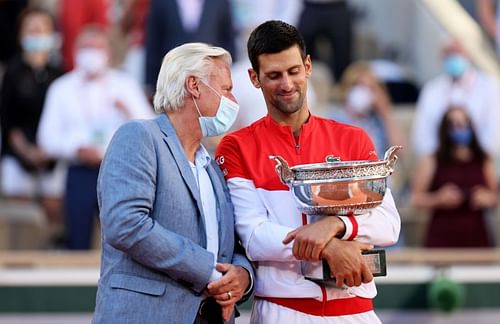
291 107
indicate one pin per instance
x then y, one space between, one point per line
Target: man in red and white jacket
274 233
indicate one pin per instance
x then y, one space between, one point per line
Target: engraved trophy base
320 273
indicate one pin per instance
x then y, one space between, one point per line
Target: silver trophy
339 188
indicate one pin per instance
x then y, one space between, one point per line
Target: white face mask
223 119
359 99
91 60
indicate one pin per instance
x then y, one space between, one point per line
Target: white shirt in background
83 113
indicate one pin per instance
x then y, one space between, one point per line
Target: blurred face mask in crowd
455 65
461 136
223 119
359 99
91 60
37 43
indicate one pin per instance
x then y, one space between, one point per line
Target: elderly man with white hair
168 244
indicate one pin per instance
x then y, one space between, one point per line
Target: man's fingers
366 274
227 311
339 281
365 247
222 267
290 237
224 297
296 249
217 285
316 253
357 280
308 252
349 281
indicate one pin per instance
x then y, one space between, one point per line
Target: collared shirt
208 202
81 113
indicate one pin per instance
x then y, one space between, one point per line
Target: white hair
191 59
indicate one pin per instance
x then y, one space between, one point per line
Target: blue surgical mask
461 136
223 119
455 65
37 43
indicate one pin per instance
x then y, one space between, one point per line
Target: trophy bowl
338 187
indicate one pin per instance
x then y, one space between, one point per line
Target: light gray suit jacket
154 264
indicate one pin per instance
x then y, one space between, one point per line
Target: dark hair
32 11
272 37
447 146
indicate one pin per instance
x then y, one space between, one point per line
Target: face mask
359 99
455 65
223 119
37 43
91 60
461 136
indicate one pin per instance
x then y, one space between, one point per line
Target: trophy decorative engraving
339 188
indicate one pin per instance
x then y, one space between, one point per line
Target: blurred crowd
73 71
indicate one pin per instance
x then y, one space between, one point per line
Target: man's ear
192 86
254 78
308 66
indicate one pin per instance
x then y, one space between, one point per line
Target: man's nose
286 83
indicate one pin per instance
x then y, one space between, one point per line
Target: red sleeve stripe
304 219
354 223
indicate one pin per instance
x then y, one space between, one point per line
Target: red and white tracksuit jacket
265 210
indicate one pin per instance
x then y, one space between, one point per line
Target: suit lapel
180 158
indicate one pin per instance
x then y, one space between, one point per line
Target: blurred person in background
28 172
133 26
458 184
366 103
460 84
174 22
488 12
328 21
83 109
73 16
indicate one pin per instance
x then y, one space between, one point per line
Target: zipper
297 143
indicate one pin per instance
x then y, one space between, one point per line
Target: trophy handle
283 170
391 158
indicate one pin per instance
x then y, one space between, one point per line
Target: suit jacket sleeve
126 193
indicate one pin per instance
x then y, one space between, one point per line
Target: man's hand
346 262
89 156
227 312
311 239
230 288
